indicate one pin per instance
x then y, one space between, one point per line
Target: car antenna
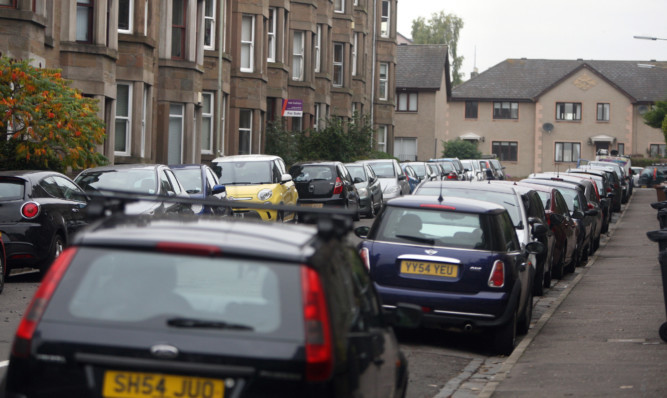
440 198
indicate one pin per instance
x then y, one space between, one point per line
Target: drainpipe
219 130
373 68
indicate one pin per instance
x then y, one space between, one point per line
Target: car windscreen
383 169
140 181
245 173
133 288
507 200
312 173
435 227
357 172
11 189
191 179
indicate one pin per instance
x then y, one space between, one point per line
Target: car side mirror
358 180
285 178
556 219
591 212
402 177
577 214
404 315
218 189
534 247
362 232
539 229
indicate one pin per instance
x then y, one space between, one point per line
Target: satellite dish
642 109
548 127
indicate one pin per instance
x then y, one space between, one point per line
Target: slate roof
420 66
527 79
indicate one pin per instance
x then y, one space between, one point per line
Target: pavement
599 336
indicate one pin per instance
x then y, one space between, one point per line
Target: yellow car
257 179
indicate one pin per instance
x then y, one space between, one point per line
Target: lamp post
648 38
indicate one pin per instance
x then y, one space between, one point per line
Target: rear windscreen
190 179
151 288
11 189
312 173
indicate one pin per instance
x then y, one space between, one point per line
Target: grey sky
539 29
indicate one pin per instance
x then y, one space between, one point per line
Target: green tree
461 149
44 123
441 29
657 117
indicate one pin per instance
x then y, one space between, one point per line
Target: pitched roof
527 79
420 66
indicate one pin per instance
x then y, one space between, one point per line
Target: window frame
245 130
338 79
381 144
602 113
130 16
408 102
383 81
271 33
562 114
125 119
298 56
88 5
339 6
176 117
471 110
12 4
511 154
353 51
658 152
385 19
249 44
559 154
183 30
502 113
210 29
317 43
208 116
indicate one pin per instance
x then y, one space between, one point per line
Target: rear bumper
26 244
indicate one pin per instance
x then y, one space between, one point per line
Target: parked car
200 182
40 211
257 179
368 187
636 172
423 170
459 259
508 196
458 166
579 211
449 170
393 180
325 183
411 175
142 179
473 170
620 172
565 229
614 183
653 175
488 170
605 191
498 168
215 307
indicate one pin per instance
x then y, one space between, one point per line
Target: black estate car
198 306
39 213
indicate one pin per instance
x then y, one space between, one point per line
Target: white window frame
385 20
298 55
317 116
245 130
211 18
144 116
340 64
355 43
318 48
124 119
271 34
339 6
381 138
248 44
383 87
175 117
208 116
130 16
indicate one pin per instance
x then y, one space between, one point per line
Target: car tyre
504 337
371 210
574 262
547 276
57 247
663 331
538 283
557 271
527 317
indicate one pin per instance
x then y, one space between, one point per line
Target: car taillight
338 188
590 206
452 176
548 215
497 278
363 253
608 189
319 350
40 300
30 210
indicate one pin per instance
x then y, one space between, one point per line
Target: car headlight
363 192
264 194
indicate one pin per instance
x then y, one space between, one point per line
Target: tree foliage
657 117
44 123
461 149
441 29
345 141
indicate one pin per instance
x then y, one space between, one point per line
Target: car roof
450 203
187 166
132 166
556 183
28 173
246 158
230 236
482 185
318 162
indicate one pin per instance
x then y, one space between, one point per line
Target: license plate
119 384
312 204
432 269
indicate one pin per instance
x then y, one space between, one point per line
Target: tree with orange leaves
44 123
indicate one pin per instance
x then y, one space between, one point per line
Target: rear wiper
417 239
200 323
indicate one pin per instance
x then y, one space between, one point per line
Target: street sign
292 108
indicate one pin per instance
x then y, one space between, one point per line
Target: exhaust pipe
467 327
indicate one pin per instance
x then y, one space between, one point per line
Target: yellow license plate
432 269
119 384
313 204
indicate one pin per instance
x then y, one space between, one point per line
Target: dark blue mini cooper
457 258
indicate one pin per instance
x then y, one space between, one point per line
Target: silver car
392 179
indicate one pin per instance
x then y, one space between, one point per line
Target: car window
11 189
383 169
211 178
436 227
190 179
419 168
150 288
312 173
49 185
69 189
357 172
507 233
364 294
277 171
165 184
571 197
174 181
245 173
140 181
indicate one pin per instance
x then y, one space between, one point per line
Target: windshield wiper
417 239
201 323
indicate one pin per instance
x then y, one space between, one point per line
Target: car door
402 179
63 212
77 202
373 185
288 188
